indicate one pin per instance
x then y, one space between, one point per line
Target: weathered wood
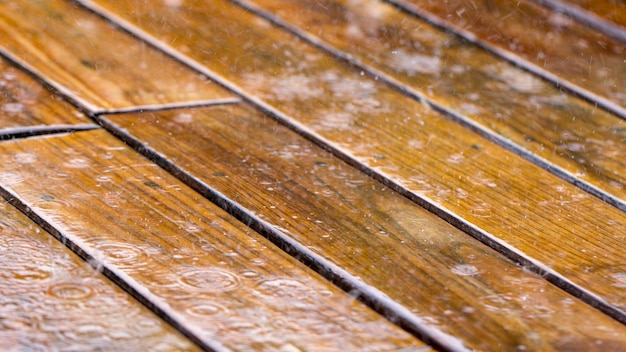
549 40
463 177
225 283
94 62
586 142
442 275
594 13
51 300
25 103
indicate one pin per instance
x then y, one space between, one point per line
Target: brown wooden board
24 103
574 239
551 41
209 273
50 300
439 273
589 144
92 61
610 10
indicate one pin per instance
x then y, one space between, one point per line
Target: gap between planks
301 129
32 131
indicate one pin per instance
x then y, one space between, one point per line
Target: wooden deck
330 175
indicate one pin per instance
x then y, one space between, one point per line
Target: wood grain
226 284
516 206
92 61
549 40
613 11
439 273
52 300
586 142
25 103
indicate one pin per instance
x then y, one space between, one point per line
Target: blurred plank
94 62
590 60
608 16
25 104
50 300
589 144
439 273
574 239
224 283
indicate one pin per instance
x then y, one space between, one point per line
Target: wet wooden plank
94 62
50 300
25 103
506 101
439 273
609 16
573 238
547 39
224 283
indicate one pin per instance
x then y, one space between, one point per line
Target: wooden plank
92 61
574 239
51 300
504 101
436 271
606 16
25 103
550 41
224 283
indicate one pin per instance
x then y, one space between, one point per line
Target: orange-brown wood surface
610 10
25 103
50 300
94 62
402 140
478 296
226 284
548 39
567 132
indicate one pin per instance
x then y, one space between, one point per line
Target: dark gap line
369 295
171 106
302 130
586 17
466 122
32 131
514 59
118 277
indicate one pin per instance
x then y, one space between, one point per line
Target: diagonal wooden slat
94 63
510 204
577 141
222 284
573 56
26 106
50 300
606 16
441 275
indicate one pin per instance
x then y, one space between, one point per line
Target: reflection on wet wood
613 11
568 132
94 62
371 231
25 103
427 157
546 38
50 300
226 284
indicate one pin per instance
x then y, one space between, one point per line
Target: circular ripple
121 253
205 309
214 280
71 291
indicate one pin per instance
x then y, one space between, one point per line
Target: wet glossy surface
567 230
50 300
587 142
610 10
548 39
481 298
97 64
223 282
24 103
